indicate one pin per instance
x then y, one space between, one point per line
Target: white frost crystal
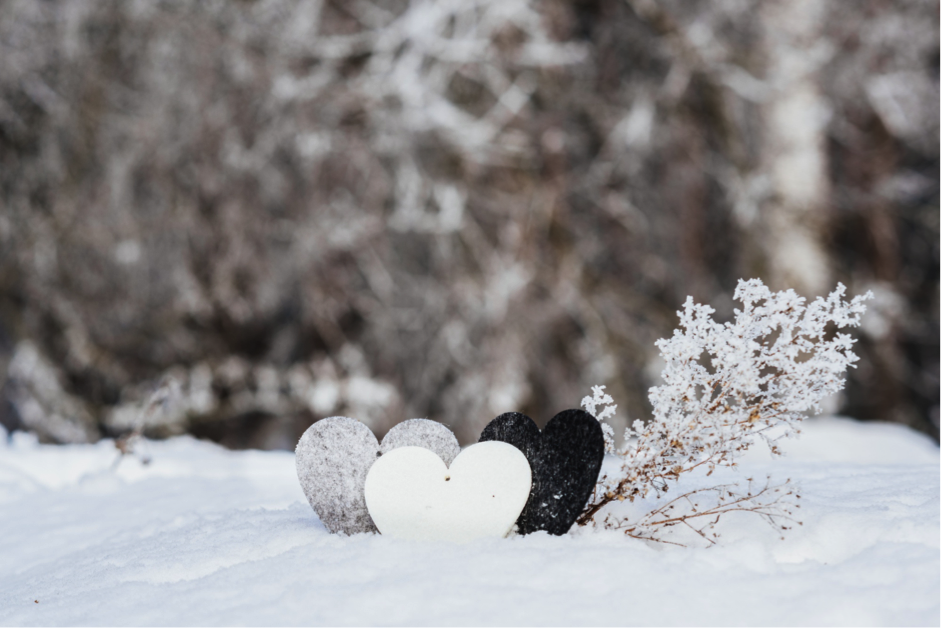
602 399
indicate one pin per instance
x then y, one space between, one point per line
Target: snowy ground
207 536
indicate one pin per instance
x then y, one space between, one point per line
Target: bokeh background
282 210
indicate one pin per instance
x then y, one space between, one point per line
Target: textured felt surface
412 494
423 433
565 459
334 455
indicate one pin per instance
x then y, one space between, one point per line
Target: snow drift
203 535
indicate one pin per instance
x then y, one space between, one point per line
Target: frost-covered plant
725 386
608 409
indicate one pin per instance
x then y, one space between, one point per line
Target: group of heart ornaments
418 484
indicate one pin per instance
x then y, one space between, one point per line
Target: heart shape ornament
565 458
334 455
412 494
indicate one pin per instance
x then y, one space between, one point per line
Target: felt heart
334 455
412 494
565 459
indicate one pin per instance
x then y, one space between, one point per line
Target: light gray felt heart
334 455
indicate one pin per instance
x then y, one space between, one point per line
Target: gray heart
334 455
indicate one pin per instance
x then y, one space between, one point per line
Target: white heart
335 454
411 493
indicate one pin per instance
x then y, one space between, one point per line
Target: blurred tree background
291 209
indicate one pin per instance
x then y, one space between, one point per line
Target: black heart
565 459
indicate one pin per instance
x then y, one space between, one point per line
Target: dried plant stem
165 394
776 510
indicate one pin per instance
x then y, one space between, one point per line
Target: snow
202 535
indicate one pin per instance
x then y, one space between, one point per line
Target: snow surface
208 536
